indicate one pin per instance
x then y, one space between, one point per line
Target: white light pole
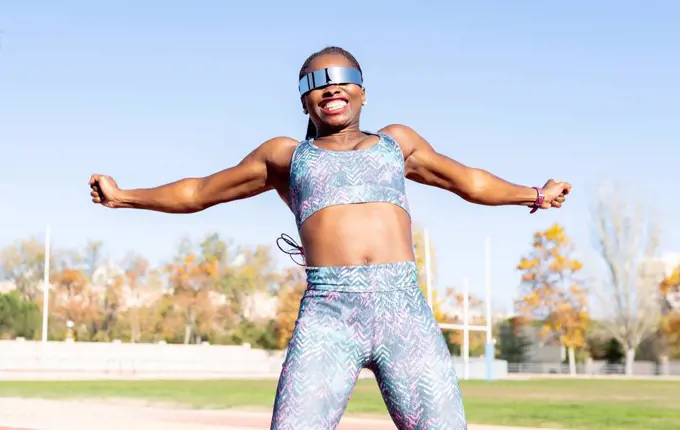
466 329
46 284
489 347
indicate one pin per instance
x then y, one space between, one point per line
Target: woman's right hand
105 191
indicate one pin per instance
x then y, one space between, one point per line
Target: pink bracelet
539 200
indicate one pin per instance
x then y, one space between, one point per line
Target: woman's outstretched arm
255 174
425 165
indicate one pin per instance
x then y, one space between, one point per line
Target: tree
18 317
92 257
249 278
74 300
23 262
626 239
670 330
613 352
142 289
670 291
245 285
259 335
111 304
670 323
192 279
513 341
599 341
88 292
553 292
172 322
292 287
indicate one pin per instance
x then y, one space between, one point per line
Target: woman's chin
337 122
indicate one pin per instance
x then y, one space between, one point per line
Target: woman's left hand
555 193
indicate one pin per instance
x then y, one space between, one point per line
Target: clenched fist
555 193
105 191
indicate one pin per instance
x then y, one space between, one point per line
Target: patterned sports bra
320 178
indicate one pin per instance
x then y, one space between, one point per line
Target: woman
362 307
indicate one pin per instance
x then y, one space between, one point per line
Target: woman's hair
311 129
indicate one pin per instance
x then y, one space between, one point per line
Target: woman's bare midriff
357 235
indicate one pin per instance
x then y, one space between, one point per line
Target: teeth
335 105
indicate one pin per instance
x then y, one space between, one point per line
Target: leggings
372 317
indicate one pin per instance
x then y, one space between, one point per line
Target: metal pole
428 270
46 284
466 331
488 347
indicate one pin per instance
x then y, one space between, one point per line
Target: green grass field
570 404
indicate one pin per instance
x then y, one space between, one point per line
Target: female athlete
362 307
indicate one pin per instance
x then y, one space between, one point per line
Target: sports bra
320 178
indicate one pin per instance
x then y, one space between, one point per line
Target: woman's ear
304 106
363 96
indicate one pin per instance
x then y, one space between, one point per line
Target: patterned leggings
371 317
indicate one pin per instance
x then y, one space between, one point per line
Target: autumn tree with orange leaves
553 292
192 278
670 291
670 320
74 300
141 317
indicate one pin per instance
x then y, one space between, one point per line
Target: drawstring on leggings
294 249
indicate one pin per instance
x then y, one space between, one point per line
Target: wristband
539 200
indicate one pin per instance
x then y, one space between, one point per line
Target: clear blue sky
154 91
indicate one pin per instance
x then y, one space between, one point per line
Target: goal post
466 327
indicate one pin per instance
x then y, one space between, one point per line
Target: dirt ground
34 414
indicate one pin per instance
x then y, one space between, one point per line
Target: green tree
614 353
513 343
18 317
249 274
257 335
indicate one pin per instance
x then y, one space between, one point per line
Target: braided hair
311 129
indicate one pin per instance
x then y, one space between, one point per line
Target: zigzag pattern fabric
372 317
320 178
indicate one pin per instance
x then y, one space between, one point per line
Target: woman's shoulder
397 131
403 135
278 150
280 144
